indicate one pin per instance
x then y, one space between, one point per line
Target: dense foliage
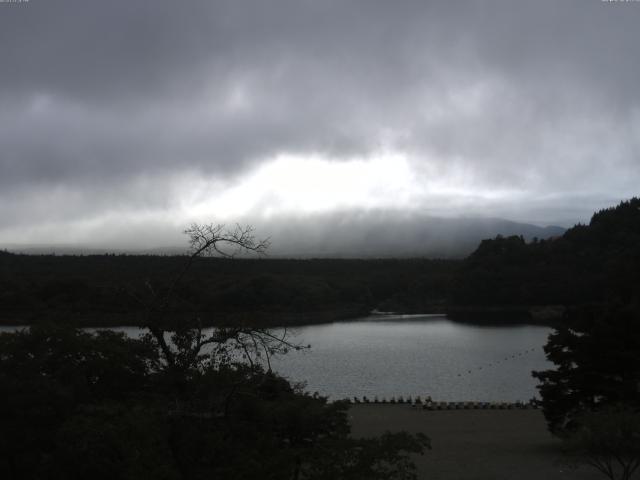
80 405
101 289
596 347
179 402
596 352
590 263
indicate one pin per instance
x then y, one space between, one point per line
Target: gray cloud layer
105 106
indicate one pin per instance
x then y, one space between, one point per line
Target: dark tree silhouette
188 342
177 403
596 351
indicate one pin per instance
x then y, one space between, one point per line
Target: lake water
418 355
413 355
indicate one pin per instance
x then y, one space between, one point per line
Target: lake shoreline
506 315
387 356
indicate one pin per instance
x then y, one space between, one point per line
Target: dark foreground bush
77 405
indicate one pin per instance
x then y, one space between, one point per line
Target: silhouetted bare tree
181 341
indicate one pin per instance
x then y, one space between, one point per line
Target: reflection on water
415 355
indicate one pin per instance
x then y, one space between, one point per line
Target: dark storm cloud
107 102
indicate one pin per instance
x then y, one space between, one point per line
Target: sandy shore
475 444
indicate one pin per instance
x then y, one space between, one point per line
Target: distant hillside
372 234
521 266
104 289
589 263
391 234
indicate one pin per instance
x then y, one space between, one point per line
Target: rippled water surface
418 355
415 355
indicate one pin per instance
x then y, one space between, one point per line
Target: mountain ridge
372 234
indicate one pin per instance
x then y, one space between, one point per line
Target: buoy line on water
429 404
497 362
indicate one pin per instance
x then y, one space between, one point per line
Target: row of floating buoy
429 404
498 362
375 400
479 405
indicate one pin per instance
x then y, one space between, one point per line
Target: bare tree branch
189 341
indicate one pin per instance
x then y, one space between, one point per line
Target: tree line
176 403
97 289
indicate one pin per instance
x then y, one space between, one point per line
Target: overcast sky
123 121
